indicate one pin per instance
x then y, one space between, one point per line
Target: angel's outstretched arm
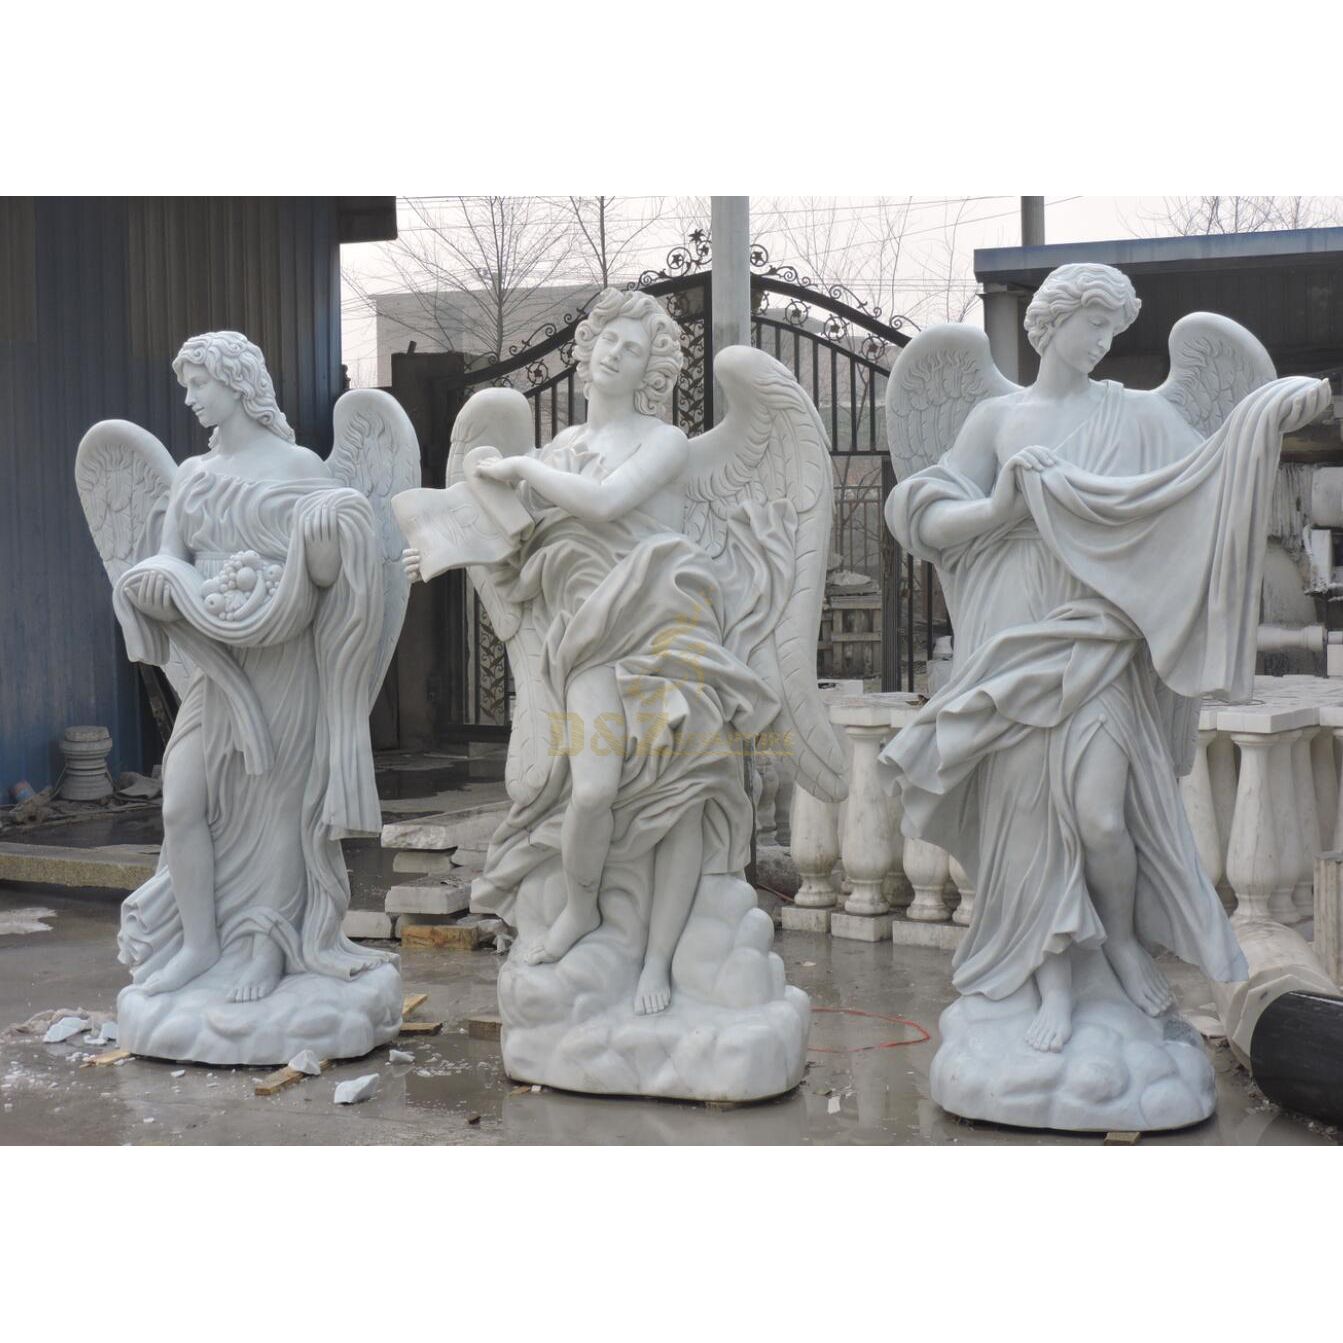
949 522
657 463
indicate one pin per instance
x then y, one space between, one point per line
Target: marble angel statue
267 582
660 607
1101 553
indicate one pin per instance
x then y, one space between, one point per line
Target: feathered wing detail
501 418
1215 364
939 378
376 452
772 446
124 476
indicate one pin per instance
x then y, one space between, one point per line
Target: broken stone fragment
305 1061
60 1031
359 1089
399 1056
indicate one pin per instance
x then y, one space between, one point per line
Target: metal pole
729 222
1032 221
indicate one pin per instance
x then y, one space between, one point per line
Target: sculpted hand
410 562
1007 503
508 470
1032 459
1306 406
153 596
321 533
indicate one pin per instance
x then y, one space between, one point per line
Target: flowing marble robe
651 604
1130 592
279 704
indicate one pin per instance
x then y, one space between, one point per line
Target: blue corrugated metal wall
96 296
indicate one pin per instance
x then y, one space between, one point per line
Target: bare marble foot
189 963
564 932
1053 1024
1137 972
261 974
653 993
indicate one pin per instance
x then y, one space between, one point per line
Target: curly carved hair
1068 288
664 335
230 358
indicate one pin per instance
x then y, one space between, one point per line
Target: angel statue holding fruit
659 598
267 582
1101 553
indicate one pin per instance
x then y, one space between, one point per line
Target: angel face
1083 338
210 401
620 357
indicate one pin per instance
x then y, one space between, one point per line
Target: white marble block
1103 551
660 601
267 583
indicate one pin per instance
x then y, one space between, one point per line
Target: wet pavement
863 1086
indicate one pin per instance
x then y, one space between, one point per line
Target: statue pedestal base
1121 1069
335 1018
734 1031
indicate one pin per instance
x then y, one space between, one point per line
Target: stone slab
366 925
861 927
115 867
942 936
797 919
470 827
429 896
422 862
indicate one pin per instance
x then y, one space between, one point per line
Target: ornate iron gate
841 351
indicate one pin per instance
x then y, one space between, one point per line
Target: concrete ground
855 1091
862 1086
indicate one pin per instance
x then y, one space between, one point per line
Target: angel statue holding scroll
267 582
660 599
1101 553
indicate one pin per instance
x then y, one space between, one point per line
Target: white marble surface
661 614
267 582
1103 551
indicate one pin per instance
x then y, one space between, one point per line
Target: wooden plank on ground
1121 1138
282 1077
443 936
484 1027
411 1001
421 1027
111 1056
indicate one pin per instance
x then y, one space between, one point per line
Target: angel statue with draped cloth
660 600
1101 553
268 584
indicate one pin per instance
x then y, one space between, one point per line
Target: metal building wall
96 296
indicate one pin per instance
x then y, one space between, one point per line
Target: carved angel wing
772 446
939 378
1214 364
376 452
124 475
500 417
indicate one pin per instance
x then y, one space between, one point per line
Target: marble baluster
1337 837
1253 862
896 887
928 869
1308 825
965 911
867 845
1325 772
1282 787
766 830
815 849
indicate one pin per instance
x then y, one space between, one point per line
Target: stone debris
17 922
60 1031
359 1089
131 784
400 1056
179 1072
106 1035
306 1062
